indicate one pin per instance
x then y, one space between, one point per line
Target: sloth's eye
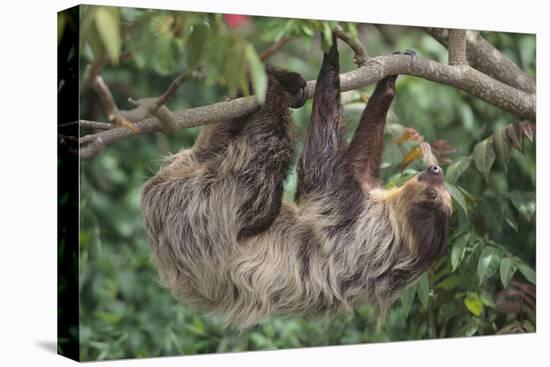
431 192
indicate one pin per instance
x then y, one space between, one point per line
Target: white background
28 183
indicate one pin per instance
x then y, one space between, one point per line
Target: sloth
224 240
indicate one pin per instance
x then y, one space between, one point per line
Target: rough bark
486 58
465 78
457 47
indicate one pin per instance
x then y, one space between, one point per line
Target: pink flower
235 20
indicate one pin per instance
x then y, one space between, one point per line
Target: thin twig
360 54
274 48
173 87
95 125
105 95
66 124
147 107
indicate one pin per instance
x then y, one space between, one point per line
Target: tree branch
467 79
486 58
457 47
274 48
98 84
173 87
146 107
360 54
95 125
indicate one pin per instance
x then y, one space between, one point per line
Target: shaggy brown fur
224 241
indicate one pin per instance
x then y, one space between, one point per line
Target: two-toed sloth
224 240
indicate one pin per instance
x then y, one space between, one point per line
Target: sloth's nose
435 170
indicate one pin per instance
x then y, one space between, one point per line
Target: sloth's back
192 220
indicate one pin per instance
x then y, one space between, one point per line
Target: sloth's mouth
433 175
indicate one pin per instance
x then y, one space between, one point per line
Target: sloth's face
425 208
424 192
432 191
420 210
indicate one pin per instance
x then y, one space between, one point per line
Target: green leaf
449 283
87 22
528 273
107 21
307 30
140 46
459 250
524 202
488 263
468 119
235 67
455 170
470 329
260 341
507 270
487 299
195 44
449 310
502 147
457 196
516 136
165 59
484 157
407 298
491 208
218 48
96 45
474 304
327 37
257 73
526 49
529 327
509 216
528 129
291 26
423 290
351 28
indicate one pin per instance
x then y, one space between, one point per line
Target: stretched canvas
232 183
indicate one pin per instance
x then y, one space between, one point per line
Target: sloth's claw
407 52
411 53
300 98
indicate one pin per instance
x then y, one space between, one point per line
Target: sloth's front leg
365 150
259 160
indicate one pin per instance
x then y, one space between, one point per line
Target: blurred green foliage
482 285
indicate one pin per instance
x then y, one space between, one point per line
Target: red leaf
410 134
528 129
411 156
514 132
442 149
